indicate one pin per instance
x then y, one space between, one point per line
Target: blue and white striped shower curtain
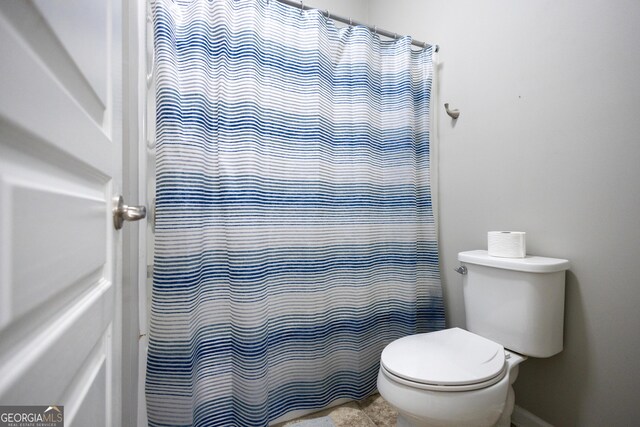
294 230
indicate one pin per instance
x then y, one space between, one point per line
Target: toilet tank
516 302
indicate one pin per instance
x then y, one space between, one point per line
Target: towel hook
454 114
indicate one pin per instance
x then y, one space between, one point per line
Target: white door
60 167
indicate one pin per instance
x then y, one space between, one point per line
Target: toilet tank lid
530 264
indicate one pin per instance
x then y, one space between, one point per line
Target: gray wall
549 143
358 10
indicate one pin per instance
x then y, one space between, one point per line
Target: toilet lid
448 357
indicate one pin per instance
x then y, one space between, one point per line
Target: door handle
122 213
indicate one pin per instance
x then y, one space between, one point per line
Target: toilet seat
448 360
446 388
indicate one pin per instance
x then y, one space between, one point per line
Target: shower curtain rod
351 22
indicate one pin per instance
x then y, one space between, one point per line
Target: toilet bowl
448 378
463 378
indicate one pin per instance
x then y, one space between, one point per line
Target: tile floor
370 412
373 411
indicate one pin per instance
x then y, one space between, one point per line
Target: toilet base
489 407
504 421
423 408
402 422
505 418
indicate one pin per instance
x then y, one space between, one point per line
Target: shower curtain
294 229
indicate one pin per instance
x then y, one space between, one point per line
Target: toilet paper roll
507 244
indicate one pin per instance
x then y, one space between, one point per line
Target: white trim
142 7
130 250
134 234
143 347
523 418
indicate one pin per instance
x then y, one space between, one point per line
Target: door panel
81 26
60 167
40 241
44 366
43 95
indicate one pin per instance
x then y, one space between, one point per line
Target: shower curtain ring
350 22
375 30
301 6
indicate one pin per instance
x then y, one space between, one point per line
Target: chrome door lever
122 213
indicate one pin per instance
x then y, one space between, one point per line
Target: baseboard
523 418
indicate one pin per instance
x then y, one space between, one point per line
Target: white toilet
457 377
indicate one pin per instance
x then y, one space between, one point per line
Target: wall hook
454 114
